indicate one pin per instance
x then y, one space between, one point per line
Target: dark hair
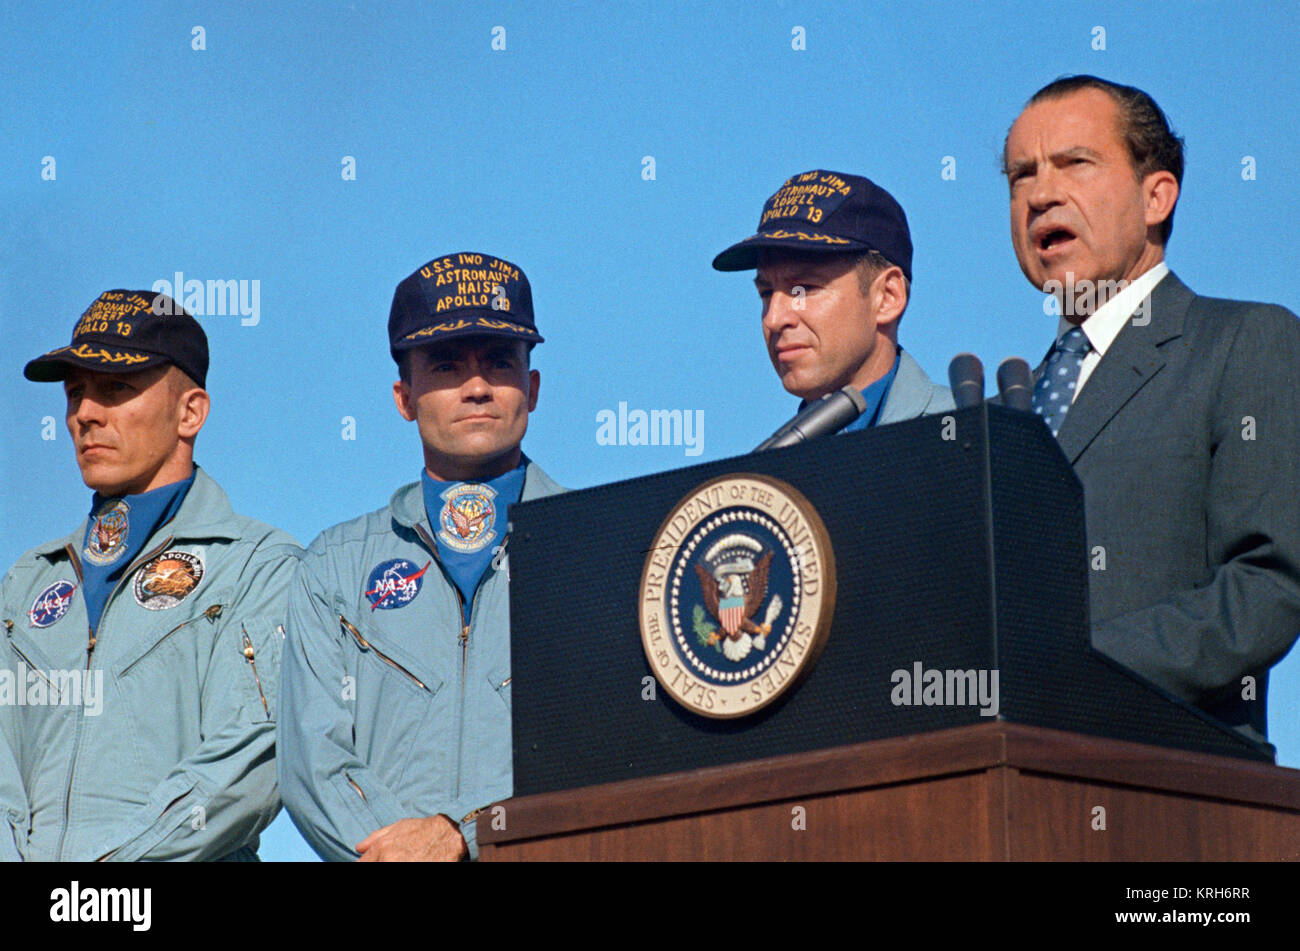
1152 144
870 266
403 358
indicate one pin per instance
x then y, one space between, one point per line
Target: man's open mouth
1053 238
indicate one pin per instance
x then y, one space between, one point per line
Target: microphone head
829 414
966 377
1016 384
855 397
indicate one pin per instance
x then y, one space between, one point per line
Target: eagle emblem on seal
733 580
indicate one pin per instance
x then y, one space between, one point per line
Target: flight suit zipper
252 662
455 589
366 645
463 637
90 653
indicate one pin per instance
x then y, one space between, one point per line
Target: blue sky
226 164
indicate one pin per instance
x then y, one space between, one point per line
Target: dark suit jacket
1187 440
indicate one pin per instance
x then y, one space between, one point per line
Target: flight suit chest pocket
379 661
23 648
164 640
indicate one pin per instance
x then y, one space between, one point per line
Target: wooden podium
958 552
994 791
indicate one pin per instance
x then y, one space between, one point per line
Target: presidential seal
736 595
167 580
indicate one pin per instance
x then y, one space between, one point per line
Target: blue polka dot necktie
1055 388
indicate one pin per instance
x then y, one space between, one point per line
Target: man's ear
194 406
402 397
889 295
534 384
1160 195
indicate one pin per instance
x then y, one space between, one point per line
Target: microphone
966 377
1016 385
829 414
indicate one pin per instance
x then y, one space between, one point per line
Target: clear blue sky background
225 163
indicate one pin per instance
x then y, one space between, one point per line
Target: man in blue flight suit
833 257
139 655
397 671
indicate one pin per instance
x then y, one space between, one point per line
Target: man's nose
779 312
88 411
1045 189
476 385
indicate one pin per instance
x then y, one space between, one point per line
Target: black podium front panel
959 545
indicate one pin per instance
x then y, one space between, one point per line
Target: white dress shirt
1104 324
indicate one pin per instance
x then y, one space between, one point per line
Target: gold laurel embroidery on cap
804 236
500 325
437 329
104 356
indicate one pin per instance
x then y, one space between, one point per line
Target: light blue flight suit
394 711
178 762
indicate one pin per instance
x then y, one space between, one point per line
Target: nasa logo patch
106 539
466 521
167 580
394 583
51 604
737 595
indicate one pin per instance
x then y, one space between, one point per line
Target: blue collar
116 532
469 523
874 395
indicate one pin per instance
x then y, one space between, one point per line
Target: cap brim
467 323
743 256
53 367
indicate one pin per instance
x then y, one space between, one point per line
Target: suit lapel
1132 359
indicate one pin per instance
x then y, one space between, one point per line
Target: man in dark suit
1179 413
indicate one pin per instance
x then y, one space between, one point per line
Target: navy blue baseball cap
827 212
124 331
461 295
